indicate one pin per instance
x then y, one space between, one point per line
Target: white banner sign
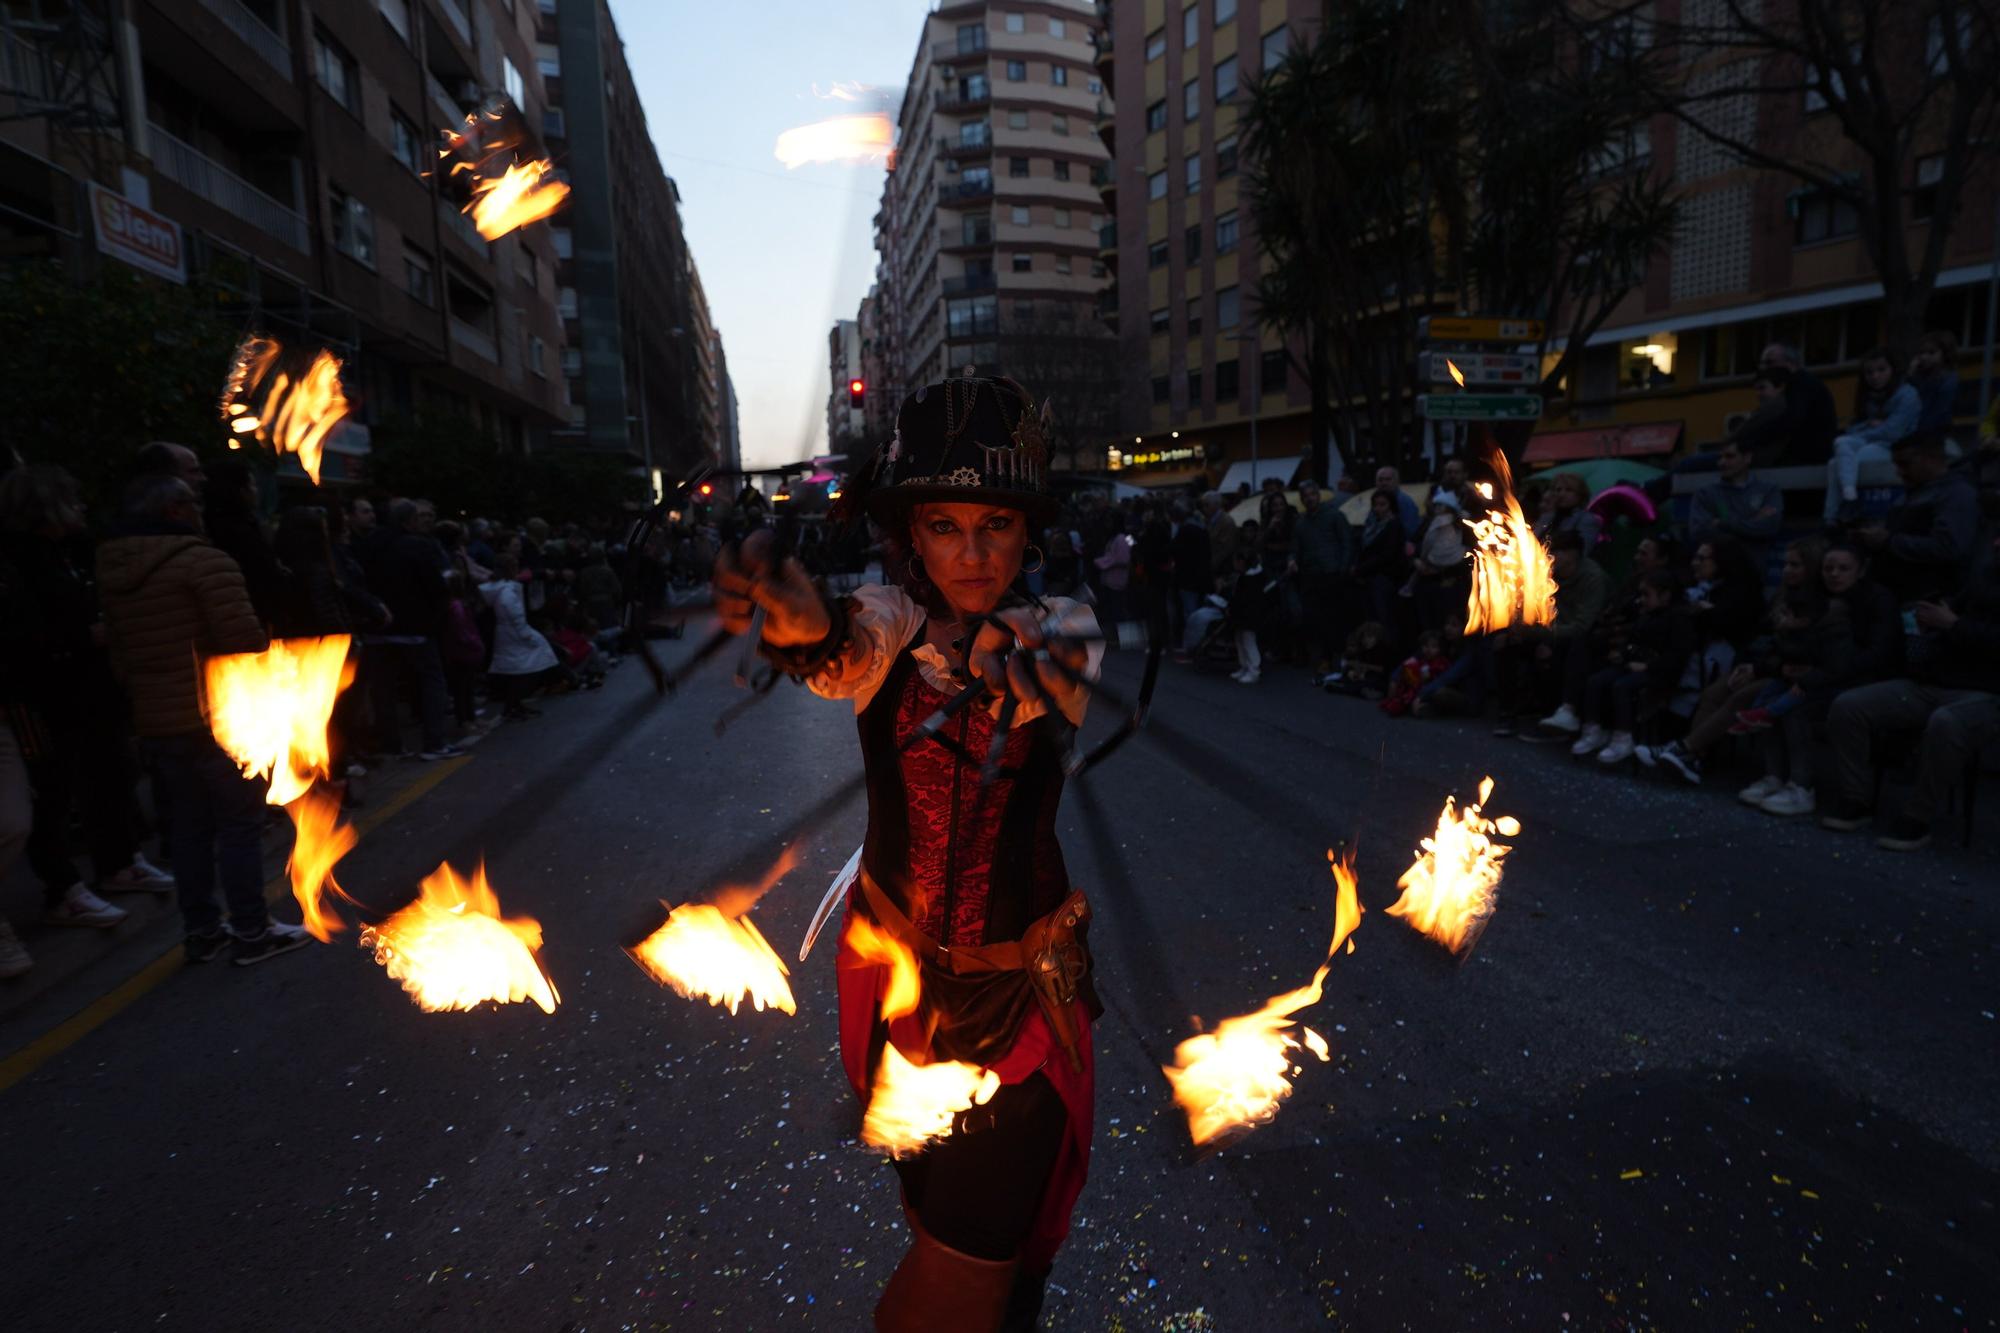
139 236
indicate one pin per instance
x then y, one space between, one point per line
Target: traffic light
856 393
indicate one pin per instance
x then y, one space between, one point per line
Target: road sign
1481 368
1480 406
1452 330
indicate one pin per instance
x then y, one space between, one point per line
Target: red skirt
861 985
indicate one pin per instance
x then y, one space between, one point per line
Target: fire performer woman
961 862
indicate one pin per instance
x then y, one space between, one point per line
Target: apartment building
283 150
988 229
846 424
641 364
1198 370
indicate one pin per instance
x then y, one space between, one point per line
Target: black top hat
964 441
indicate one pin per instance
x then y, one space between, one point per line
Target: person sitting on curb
1646 663
1949 703
1924 546
1886 409
1528 659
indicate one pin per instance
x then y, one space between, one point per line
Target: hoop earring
913 570
1041 559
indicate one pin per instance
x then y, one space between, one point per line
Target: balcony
1107 237
454 10
960 100
447 105
461 224
202 176
966 283
969 144
971 46
474 340
956 240
950 193
277 53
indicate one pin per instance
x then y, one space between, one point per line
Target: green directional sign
1480 406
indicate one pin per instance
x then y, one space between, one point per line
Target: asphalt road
1704 1071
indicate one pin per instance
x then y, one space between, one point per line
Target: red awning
1658 437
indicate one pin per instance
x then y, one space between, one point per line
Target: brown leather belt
1050 951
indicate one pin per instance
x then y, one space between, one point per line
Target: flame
291 415
703 954
522 194
870 137
878 946
269 710
1457 376
1449 891
452 949
320 843
1513 578
1234 1077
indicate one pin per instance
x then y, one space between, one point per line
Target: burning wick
1513 577
710 951
522 194
1233 1078
452 949
1449 891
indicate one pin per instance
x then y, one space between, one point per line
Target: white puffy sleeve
880 620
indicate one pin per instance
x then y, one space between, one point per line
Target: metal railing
462 224
476 341
972 44
954 100
202 175
947 190
453 112
970 282
277 52
1107 236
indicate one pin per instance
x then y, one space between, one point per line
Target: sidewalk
83 976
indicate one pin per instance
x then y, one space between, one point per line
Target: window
1062 217
977 179
1017 166
417 271
548 60
971 38
972 134
1156 254
1061 169
406 142
1194 173
353 226
1059 75
1156 185
1191 243
1017 23
1225 233
1156 116
1191 99
1936 59
538 355
517 87
1626 149
1225 381
396 13
1276 41
973 88
1057 29
566 302
1062 264
1194 388
1226 310
1097 269
981 314
554 126
1923 196
528 268
1225 158
1816 100
1821 215
1225 79
1163 388
1190 27
977 229
1194 314
1017 71
1225 10
1017 120
337 72
1272 370
1096 86
1021 215
572 361
1159 320
1156 44
1059 124
1024 263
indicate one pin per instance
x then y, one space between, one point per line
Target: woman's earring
914 568
1040 560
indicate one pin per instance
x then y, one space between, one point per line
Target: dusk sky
782 253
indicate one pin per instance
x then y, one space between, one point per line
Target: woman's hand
746 578
1010 672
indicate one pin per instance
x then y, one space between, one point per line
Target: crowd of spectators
454 627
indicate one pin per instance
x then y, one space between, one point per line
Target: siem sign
139 236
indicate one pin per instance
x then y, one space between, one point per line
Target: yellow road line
102 1010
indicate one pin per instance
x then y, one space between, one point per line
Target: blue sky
782 253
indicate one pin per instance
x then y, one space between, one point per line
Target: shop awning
1658 437
1284 469
1162 480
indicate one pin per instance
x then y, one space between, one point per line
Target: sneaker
80 907
1646 755
1236 675
14 959
1594 738
1617 750
1791 799
1565 719
1844 816
1751 720
442 752
1249 678
357 770
1761 790
1681 760
275 938
203 946
1904 835
142 876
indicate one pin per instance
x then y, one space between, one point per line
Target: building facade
846 424
289 146
639 377
988 229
